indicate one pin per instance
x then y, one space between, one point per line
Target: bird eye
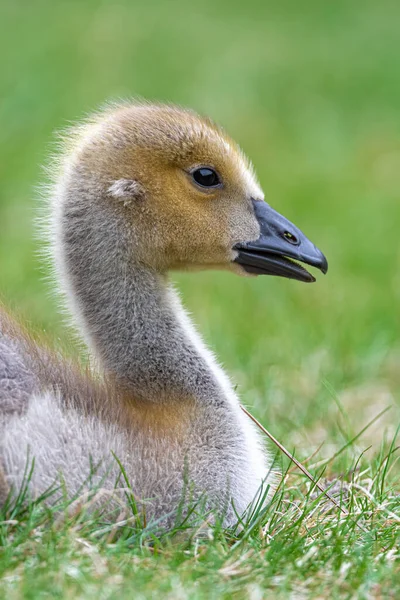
206 177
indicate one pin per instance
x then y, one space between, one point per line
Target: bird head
187 194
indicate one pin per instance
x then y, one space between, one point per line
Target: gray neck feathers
131 317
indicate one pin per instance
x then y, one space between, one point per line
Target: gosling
141 190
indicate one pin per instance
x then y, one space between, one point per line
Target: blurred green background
311 91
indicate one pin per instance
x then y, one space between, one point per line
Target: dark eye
206 177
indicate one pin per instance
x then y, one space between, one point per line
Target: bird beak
280 244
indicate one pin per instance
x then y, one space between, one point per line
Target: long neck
131 317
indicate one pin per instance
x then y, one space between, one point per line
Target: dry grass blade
300 466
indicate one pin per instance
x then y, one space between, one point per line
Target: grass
311 92
298 546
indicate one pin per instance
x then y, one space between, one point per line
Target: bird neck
131 316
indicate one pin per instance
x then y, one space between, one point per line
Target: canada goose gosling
144 189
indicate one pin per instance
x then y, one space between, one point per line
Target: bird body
141 190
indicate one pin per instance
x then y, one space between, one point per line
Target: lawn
311 91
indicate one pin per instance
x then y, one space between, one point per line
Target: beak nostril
292 239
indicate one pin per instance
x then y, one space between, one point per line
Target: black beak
279 243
